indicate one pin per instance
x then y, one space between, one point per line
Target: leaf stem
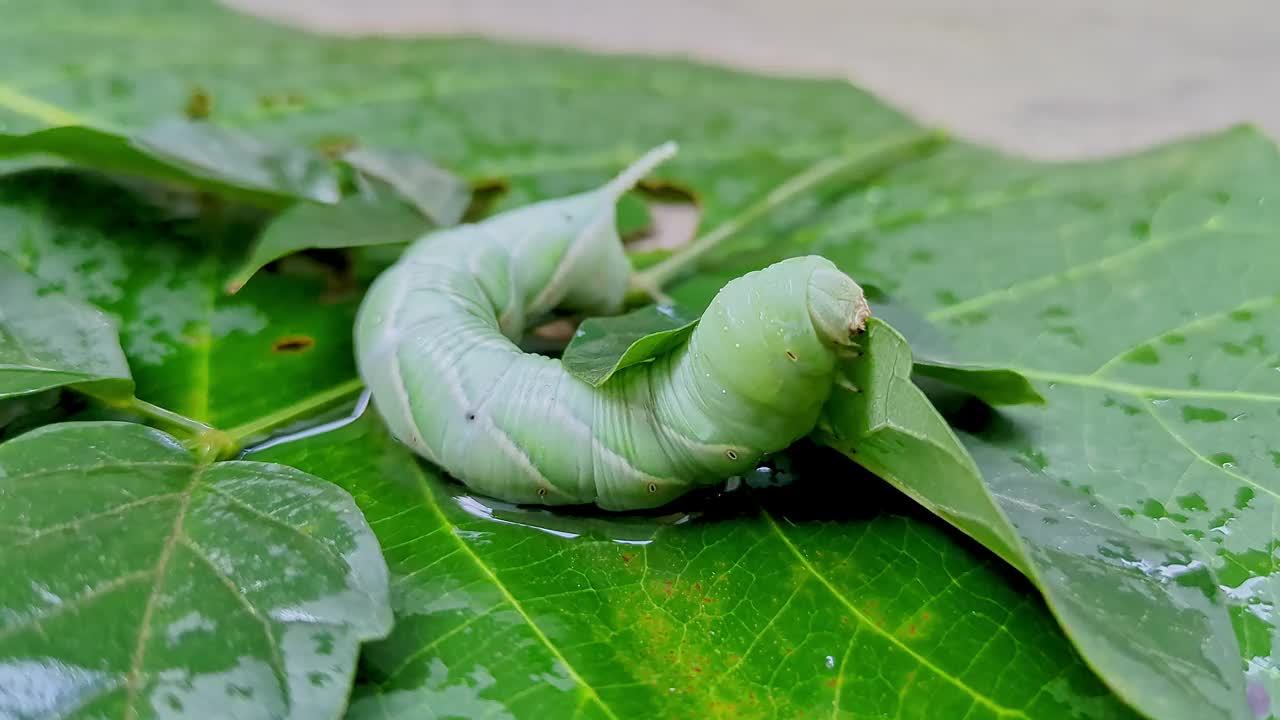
863 160
295 412
206 441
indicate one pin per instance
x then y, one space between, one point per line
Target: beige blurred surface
1052 79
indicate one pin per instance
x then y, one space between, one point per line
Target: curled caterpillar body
435 342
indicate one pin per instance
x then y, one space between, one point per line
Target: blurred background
1053 80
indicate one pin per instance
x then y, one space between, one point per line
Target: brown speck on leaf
293 344
832 683
335 146
697 669
626 559
912 629
844 619
199 104
924 616
707 600
697 586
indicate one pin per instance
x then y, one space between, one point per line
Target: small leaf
196 154
139 583
49 341
438 194
885 423
242 160
994 386
604 345
356 221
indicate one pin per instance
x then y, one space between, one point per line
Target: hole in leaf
673 215
484 195
293 344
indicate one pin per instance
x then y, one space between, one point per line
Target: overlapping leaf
49 341
146 585
1136 293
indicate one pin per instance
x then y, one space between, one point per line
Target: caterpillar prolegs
436 344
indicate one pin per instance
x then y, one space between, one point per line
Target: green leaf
603 346
49 341
141 584
439 195
819 599
1136 293
283 341
918 231
192 153
356 221
994 386
274 174
883 422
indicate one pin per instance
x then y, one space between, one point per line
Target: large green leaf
964 225
147 585
1136 293
821 598
48 341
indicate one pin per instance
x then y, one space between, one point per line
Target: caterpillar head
837 306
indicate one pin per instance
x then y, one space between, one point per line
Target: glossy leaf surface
1073 272
814 598
192 153
49 341
603 346
1135 293
153 586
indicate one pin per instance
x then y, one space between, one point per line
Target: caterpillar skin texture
436 344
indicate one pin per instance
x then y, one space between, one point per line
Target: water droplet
831 662
1225 460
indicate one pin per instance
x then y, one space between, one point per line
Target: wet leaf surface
603 346
1139 478
832 595
191 153
147 585
1135 293
48 341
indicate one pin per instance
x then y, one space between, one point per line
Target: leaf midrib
133 677
431 502
876 629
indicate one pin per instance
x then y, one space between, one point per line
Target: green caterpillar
436 344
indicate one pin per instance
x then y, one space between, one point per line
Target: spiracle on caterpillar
436 344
